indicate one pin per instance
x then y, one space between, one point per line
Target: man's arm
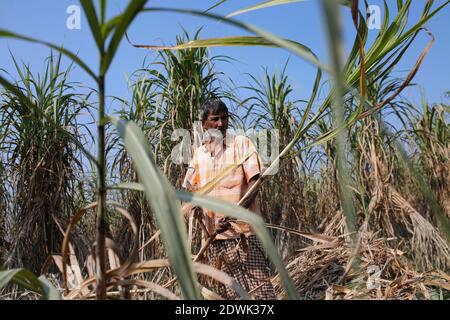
251 194
190 184
252 171
246 202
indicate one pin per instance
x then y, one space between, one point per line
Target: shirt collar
228 142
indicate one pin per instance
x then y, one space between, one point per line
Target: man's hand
223 224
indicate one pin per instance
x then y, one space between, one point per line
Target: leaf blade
8 34
163 200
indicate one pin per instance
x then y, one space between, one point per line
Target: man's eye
217 119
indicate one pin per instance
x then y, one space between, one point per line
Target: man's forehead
217 114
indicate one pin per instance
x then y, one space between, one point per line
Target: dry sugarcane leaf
74 264
221 277
66 240
151 285
320 246
311 236
209 295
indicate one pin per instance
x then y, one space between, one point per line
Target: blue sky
302 22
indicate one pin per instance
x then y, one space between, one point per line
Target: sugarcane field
224 150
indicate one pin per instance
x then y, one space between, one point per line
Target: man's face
217 121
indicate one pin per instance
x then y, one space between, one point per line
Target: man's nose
220 123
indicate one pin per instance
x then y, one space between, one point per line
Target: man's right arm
191 184
192 179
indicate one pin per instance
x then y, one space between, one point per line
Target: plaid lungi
248 266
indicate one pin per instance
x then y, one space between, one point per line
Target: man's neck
214 148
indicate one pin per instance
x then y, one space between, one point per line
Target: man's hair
214 106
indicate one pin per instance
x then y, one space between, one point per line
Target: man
235 250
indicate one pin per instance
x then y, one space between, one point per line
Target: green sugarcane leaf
299 49
163 199
8 34
263 5
27 280
91 14
133 8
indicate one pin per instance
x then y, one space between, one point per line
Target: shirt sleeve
252 166
192 179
